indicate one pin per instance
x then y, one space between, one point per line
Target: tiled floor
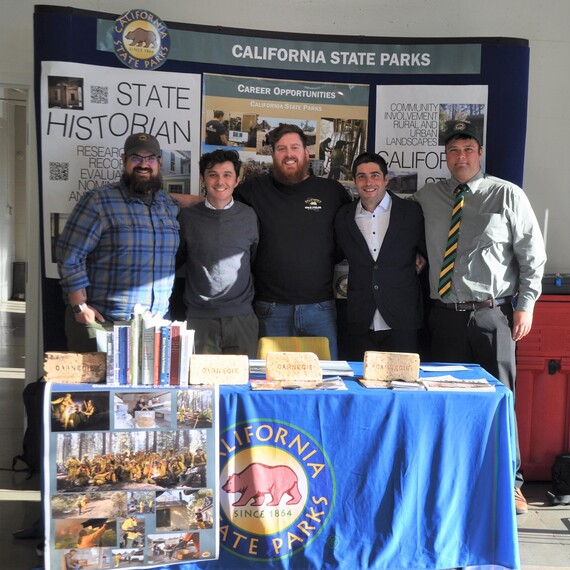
544 533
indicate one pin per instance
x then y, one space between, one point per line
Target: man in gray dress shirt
497 273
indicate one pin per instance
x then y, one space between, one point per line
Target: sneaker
521 506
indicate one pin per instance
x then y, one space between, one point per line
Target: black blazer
388 283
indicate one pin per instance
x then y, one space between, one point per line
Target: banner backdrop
259 78
194 62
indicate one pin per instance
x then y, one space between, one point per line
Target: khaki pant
226 335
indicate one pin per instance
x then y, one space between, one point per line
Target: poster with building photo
410 125
244 110
131 476
88 111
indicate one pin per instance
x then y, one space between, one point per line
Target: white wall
20 166
6 196
544 24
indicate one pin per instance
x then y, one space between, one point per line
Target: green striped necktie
448 264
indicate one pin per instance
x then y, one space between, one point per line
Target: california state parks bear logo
277 489
141 39
258 481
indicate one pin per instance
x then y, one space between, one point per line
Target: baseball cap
465 128
141 141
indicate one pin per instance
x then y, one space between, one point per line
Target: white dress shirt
226 207
373 226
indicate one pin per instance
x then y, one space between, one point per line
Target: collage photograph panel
139 460
142 410
184 510
175 547
92 505
85 533
79 411
194 409
87 558
141 502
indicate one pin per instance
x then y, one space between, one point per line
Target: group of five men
259 257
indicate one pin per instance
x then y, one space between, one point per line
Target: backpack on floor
560 494
32 446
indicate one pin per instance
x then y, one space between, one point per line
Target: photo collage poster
130 476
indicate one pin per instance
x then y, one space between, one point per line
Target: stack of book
146 351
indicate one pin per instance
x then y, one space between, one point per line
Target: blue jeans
312 319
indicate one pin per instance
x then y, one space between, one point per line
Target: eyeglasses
138 159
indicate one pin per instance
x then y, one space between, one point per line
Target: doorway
13 208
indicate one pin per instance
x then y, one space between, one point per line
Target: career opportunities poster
88 111
411 121
333 116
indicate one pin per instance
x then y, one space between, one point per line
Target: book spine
157 356
127 341
135 352
165 345
175 356
110 359
147 355
186 349
116 355
123 355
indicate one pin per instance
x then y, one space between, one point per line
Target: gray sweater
218 248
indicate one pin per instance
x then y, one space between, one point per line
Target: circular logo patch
277 489
141 40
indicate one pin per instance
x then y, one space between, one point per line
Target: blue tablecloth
366 479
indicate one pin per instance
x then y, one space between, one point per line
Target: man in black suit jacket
382 237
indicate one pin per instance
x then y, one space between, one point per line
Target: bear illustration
141 36
257 480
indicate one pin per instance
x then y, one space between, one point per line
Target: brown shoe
521 506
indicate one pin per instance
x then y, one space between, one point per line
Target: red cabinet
543 387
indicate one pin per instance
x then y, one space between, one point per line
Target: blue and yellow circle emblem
141 40
277 489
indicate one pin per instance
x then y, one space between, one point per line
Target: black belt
472 305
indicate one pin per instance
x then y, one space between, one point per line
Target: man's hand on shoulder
522 323
186 200
420 263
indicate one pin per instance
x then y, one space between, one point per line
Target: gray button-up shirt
500 250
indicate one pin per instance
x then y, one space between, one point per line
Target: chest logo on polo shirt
278 489
313 204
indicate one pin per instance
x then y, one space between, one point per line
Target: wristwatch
79 308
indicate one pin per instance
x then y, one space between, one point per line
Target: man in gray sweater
218 242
